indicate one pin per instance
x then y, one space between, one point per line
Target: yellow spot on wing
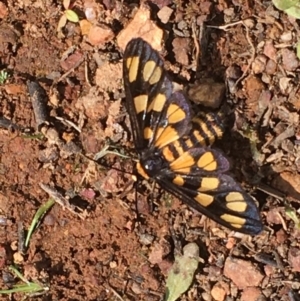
204 199
237 206
159 132
178 180
148 133
185 160
140 103
207 162
208 184
165 136
157 103
148 70
235 201
141 171
172 109
175 114
168 154
156 75
234 196
128 62
211 167
133 68
235 221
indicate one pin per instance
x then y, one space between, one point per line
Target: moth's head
150 165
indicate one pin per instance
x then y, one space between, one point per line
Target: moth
174 148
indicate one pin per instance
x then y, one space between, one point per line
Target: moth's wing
173 123
157 114
197 178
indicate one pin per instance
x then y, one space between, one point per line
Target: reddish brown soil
106 255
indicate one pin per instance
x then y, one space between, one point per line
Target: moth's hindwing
200 181
174 148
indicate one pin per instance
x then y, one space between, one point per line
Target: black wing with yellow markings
205 187
174 148
150 98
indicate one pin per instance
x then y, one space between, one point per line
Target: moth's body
174 148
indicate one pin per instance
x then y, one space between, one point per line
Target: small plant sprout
68 15
3 76
31 288
37 217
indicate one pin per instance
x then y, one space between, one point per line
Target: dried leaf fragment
141 26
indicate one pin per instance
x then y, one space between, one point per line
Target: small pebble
259 64
290 62
271 67
165 14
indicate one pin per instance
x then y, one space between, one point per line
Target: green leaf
285 4
182 272
71 16
290 7
294 11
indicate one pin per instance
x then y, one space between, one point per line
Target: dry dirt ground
241 53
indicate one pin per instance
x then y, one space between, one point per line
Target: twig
62 201
225 27
21 238
70 123
196 43
86 74
282 221
114 292
71 70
